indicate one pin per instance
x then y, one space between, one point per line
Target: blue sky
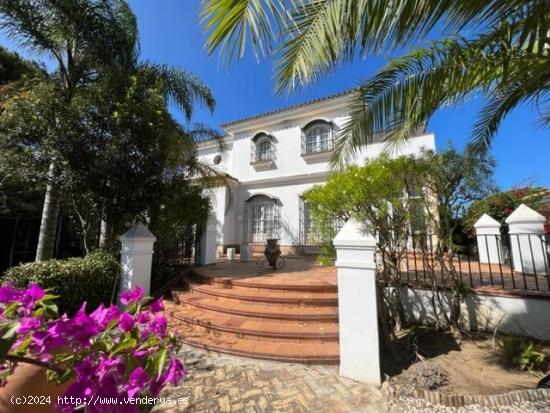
171 34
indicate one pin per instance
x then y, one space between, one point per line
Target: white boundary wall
524 316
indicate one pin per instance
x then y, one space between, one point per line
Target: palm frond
231 24
182 87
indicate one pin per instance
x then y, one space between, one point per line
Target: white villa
272 159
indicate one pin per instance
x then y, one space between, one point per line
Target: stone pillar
136 258
526 229
488 240
357 304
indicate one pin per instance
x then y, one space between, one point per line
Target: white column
209 242
488 240
136 258
526 229
357 304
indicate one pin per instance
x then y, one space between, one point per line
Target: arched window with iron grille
317 137
261 219
262 149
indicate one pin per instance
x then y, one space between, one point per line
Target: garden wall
519 315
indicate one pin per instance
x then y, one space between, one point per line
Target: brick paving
222 383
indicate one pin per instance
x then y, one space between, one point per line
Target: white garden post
357 303
526 229
136 258
209 248
488 240
231 254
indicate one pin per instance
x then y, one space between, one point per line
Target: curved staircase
276 317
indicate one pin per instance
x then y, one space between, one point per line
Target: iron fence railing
309 236
511 261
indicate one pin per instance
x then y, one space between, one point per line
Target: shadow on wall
524 316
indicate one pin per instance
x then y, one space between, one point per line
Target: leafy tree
406 200
101 120
15 73
504 58
501 204
83 38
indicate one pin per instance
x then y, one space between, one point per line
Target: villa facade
271 160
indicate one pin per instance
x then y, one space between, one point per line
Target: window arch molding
262 148
318 136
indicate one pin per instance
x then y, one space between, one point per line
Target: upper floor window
317 137
262 149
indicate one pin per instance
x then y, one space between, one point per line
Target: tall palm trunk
48 224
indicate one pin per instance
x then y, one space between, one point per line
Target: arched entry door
262 219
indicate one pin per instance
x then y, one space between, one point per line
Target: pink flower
28 324
9 294
126 322
132 296
158 326
156 306
136 382
102 316
143 317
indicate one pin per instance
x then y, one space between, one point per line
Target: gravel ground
410 405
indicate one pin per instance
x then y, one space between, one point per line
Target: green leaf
126 344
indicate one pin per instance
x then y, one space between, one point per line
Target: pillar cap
138 232
354 234
486 221
524 214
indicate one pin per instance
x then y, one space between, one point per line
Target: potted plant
108 357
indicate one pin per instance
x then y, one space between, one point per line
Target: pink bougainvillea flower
126 323
104 315
28 324
158 326
131 296
136 382
9 294
143 317
175 373
157 306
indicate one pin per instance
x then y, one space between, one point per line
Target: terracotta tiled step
265 295
298 352
257 309
283 282
254 327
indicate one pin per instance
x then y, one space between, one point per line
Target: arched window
262 218
263 148
317 136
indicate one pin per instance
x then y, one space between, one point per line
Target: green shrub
74 280
523 353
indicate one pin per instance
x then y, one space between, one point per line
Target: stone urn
272 252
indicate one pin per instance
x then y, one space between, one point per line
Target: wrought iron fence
513 261
309 236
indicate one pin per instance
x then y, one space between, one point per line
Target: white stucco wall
522 315
291 174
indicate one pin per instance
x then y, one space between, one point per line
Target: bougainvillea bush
107 354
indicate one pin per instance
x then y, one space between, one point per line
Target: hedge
74 280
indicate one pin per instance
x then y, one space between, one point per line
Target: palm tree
505 57
87 40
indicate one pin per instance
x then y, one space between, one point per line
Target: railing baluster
533 262
489 259
499 257
521 262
